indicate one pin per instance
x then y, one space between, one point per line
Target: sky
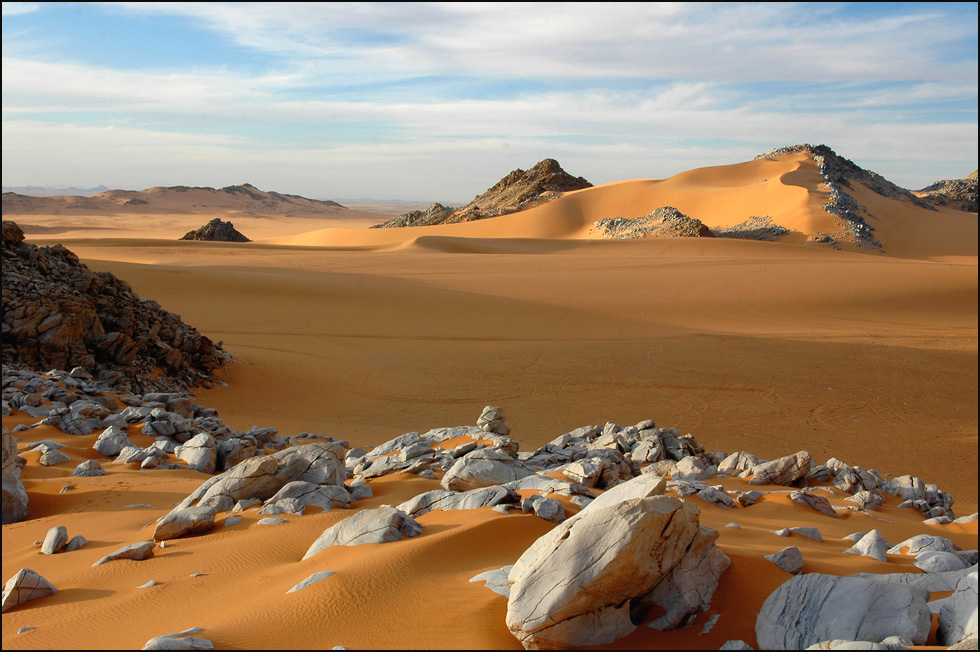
439 101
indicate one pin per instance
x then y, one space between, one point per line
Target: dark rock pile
754 228
59 314
958 194
518 190
665 222
216 231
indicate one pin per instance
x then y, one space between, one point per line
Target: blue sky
438 101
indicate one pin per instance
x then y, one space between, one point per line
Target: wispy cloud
19 8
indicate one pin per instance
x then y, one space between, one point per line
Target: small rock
55 541
147 585
873 545
134 551
25 585
789 559
271 521
818 503
312 579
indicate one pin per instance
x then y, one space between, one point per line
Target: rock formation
518 190
959 194
59 314
216 231
14 495
665 222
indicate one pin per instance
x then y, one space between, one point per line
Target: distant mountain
518 190
55 191
958 194
244 199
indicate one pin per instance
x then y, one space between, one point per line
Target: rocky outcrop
757 227
665 222
216 231
59 314
838 173
517 191
135 551
590 579
811 608
958 194
958 615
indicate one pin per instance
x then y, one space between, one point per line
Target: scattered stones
789 559
811 608
134 551
25 585
312 579
368 526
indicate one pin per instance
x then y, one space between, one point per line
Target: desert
438 326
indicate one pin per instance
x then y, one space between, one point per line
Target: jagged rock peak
216 231
518 190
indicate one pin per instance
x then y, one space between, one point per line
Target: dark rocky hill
216 231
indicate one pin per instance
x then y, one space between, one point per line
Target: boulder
789 559
958 615
89 469
922 543
818 503
179 641
483 468
738 461
784 471
14 494
939 562
25 585
181 522
322 496
873 545
200 453
52 456
134 551
112 441
575 585
811 608
55 541
643 486
368 526
691 469
452 500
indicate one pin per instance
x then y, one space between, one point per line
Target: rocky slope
518 190
59 314
216 231
838 173
665 222
958 194
243 199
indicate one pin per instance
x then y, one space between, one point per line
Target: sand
367 334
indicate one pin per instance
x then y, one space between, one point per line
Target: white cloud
19 8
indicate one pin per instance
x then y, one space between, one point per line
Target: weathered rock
368 526
939 562
483 468
866 500
496 580
643 486
52 457
958 616
14 494
584 472
574 585
922 543
872 544
200 453
452 500
55 541
181 522
818 503
789 559
25 585
89 469
76 542
112 441
691 583
811 608
179 641
307 493
309 581
784 471
691 469
134 551
738 461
